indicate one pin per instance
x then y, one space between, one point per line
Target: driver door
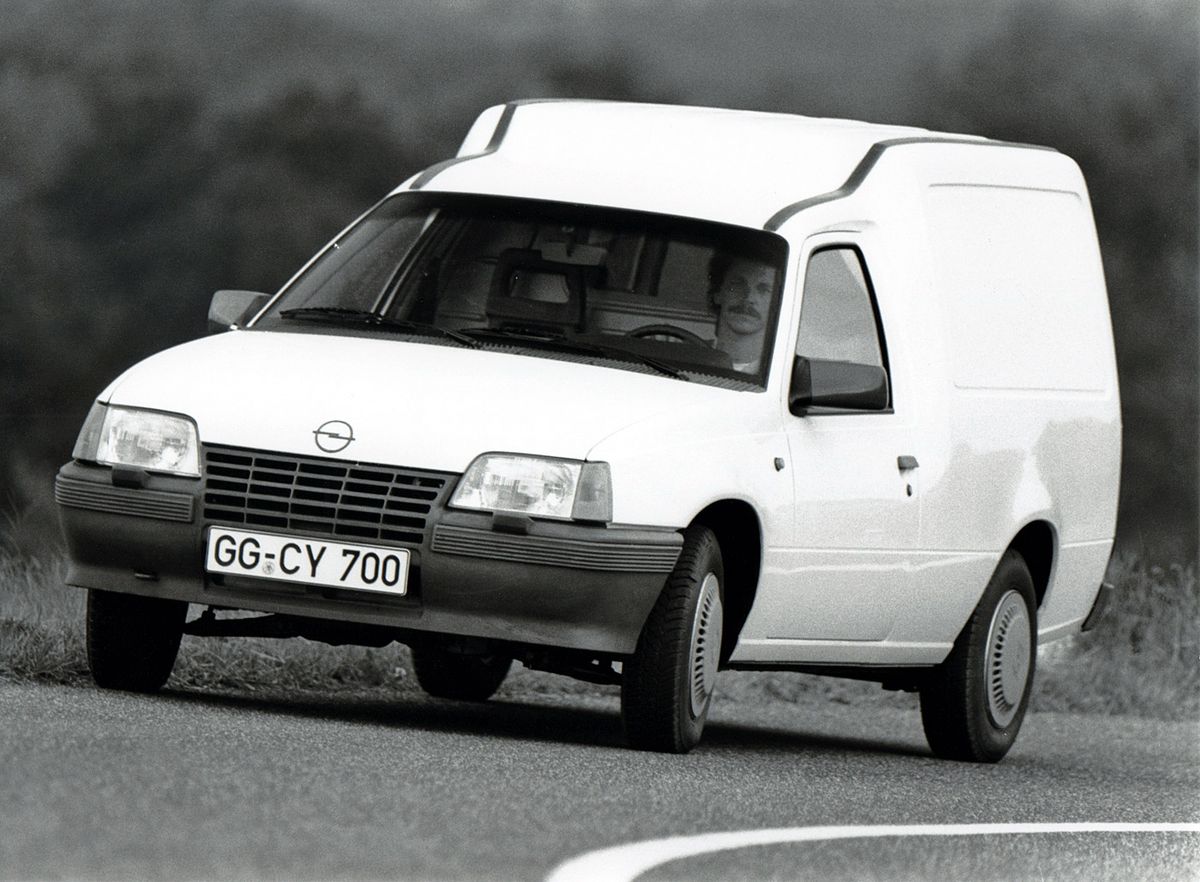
854 470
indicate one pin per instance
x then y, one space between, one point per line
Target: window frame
880 335
658 230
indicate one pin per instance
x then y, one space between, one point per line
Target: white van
635 394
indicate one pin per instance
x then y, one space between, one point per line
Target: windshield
691 299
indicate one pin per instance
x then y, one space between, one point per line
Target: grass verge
1144 656
1143 659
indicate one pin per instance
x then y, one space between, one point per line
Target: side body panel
667 468
1001 358
1033 414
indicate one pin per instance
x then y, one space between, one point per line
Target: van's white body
991 289
990 292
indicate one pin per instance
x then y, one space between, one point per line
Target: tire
131 640
667 685
458 676
973 705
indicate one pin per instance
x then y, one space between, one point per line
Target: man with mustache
742 289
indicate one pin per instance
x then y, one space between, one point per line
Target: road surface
239 785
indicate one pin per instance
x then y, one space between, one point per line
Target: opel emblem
333 436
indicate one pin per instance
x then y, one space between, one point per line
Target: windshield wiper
374 319
570 344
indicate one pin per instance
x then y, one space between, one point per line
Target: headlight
537 486
147 439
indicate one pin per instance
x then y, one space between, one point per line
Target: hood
412 404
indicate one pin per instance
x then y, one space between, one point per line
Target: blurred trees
134 181
1116 88
117 255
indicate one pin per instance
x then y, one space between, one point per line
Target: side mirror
842 384
230 308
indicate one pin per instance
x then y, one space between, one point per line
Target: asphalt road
115 786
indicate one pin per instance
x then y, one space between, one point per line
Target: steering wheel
670 331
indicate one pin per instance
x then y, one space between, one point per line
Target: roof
736 166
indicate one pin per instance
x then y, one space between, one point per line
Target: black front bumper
539 583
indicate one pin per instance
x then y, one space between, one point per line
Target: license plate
311 561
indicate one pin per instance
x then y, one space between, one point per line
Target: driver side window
837 315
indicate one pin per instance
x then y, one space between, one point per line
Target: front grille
281 491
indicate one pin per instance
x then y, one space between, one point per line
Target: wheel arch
1036 542
738 529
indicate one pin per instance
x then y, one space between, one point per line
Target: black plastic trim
615 551
124 500
492 146
348 500
551 606
868 162
1099 607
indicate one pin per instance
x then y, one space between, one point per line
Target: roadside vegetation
1141 661
154 155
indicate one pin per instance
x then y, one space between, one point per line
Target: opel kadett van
635 394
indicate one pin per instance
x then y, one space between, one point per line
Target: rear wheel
973 705
667 684
459 676
131 640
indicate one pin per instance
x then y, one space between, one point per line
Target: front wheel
973 704
667 684
132 640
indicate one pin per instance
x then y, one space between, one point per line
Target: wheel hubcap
706 643
1010 650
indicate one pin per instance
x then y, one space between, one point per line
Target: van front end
359 543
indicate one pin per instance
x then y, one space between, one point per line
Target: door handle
906 463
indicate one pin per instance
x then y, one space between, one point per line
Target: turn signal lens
593 496
89 436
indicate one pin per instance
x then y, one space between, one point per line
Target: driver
741 289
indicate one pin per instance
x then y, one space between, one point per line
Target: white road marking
624 863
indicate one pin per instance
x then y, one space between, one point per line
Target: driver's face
745 296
